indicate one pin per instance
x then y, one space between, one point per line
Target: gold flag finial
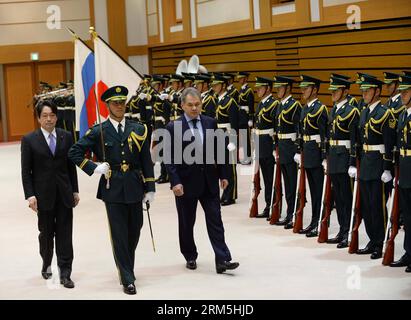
93 32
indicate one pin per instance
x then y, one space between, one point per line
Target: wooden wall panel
19 80
51 72
379 46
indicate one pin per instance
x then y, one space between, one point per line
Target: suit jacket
195 178
43 174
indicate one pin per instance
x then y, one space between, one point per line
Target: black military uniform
231 89
246 115
377 138
264 144
342 133
288 115
404 182
60 101
313 131
207 97
176 110
70 115
127 152
227 120
162 111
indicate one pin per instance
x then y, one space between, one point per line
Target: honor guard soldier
136 105
176 82
288 115
377 139
60 101
227 120
246 115
167 87
313 130
231 89
146 107
404 182
264 131
188 79
127 177
70 111
342 133
351 100
201 83
162 111
361 103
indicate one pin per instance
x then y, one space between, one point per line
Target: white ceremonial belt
374 147
224 125
158 118
245 108
149 107
259 132
316 138
345 143
283 136
136 115
61 108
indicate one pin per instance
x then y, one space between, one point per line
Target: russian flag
84 85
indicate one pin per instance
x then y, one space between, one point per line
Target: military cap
280 81
42 83
359 75
338 83
200 78
62 85
242 74
218 78
157 79
188 77
390 77
405 82
70 82
261 82
368 81
147 77
47 86
407 73
341 76
229 75
116 93
176 78
307 81
166 77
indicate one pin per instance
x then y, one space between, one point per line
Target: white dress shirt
115 123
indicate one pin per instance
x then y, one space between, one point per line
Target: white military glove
142 96
149 196
250 123
163 96
231 147
102 168
386 176
352 172
324 164
297 158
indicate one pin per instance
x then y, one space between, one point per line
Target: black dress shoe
335 240
377 254
161 180
367 250
191 264
46 272
306 230
408 269
282 222
225 265
67 283
227 202
313 233
264 214
289 225
403 262
343 244
130 289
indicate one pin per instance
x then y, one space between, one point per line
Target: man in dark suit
51 188
193 181
127 177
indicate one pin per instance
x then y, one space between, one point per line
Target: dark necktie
120 130
194 121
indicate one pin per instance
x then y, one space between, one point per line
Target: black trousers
343 200
230 193
125 222
267 169
186 209
373 211
405 205
315 178
57 223
289 172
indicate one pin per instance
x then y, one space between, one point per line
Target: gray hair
189 92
